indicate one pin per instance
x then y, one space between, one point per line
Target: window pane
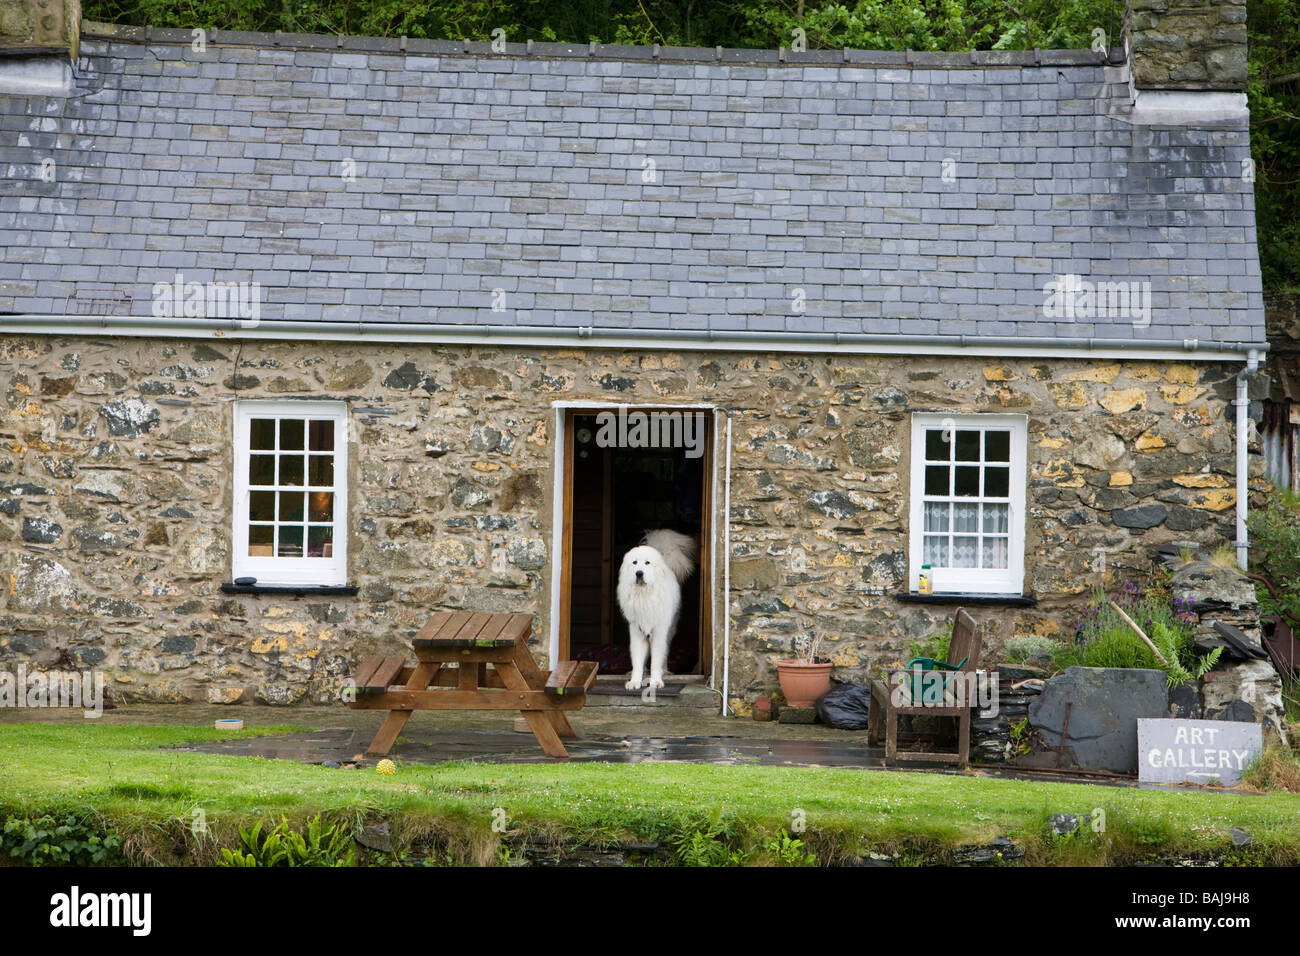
997 446
936 479
995 519
321 471
322 436
965 552
968 481
320 506
936 515
936 551
968 446
261 506
997 482
995 553
261 540
965 518
320 542
261 469
291 434
290 541
937 448
262 433
291 468
290 506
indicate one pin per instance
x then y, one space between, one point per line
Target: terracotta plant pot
802 683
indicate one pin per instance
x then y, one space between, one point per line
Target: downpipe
1242 404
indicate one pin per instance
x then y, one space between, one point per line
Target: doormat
618 690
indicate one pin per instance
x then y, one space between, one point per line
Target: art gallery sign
1196 751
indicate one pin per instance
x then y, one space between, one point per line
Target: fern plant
319 845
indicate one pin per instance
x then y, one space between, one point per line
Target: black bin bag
846 706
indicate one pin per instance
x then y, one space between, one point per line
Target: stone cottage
303 337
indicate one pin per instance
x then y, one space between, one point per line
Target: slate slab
1196 751
1107 702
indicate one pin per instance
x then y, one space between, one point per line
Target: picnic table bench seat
468 661
571 677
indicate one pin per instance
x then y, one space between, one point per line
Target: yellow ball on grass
386 767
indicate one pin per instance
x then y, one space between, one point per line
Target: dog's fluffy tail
678 549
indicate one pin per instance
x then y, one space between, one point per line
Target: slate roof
524 172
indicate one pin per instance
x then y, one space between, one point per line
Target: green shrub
1106 640
1020 648
48 841
318 845
935 646
1275 556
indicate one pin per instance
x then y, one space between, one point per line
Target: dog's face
643 567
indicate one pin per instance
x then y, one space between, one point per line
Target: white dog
650 597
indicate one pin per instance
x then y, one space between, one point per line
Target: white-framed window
968 502
291 492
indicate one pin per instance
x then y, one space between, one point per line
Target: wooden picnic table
468 661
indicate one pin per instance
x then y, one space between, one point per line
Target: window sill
975 600
298 590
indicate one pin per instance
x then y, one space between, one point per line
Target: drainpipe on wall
726 581
1242 404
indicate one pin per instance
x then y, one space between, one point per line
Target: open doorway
614 492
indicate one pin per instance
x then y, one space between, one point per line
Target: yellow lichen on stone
1144 372
1181 374
1180 394
485 466
1051 442
998 373
1201 480
1149 440
1217 500
263 646
1120 479
1102 374
1068 394
1121 400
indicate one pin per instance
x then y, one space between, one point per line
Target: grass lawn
120 777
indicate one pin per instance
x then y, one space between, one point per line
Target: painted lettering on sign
1196 751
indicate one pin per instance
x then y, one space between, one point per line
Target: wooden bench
467 661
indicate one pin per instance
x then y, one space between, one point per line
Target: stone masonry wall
1187 44
115 496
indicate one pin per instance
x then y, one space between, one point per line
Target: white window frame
272 571
971 580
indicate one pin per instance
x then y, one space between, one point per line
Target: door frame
562 522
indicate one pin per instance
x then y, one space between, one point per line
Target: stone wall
40 26
115 496
1187 44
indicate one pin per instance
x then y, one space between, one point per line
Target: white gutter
1242 404
726 581
590 337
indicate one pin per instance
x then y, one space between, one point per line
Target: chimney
1187 45
34 28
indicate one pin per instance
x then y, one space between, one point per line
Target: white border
945 581
272 571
